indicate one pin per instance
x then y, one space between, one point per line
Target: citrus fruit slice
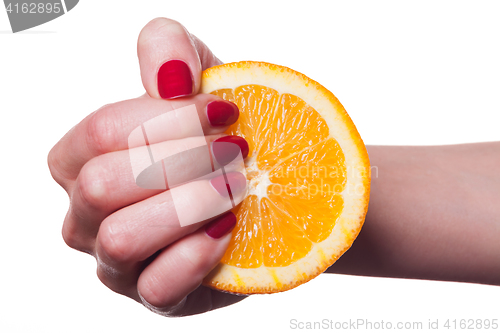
308 178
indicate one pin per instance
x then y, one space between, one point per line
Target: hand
134 233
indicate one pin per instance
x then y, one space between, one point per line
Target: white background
420 72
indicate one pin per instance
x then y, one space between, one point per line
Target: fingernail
236 183
222 113
226 149
221 226
174 79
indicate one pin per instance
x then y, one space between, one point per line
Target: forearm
434 214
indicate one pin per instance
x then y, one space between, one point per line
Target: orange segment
300 213
245 247
296 126
284 241
256 104
317 183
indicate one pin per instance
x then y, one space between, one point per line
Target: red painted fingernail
174 79
226 149
222 113
221 226
229 183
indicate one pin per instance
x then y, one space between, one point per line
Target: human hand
134 233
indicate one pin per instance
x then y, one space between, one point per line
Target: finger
201 300
179 269
109 128
107 182
135 233
171 59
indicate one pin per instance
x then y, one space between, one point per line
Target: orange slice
308 178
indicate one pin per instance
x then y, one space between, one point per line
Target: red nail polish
221 226
222 113
229 183
226 149
174 79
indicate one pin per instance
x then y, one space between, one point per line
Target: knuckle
101 130
69 236
52 162
55 168
113 278
74 240
155 298
92 185
115 244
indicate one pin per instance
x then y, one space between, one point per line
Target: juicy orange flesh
290 147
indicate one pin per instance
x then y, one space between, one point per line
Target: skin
431 215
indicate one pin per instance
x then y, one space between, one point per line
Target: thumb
171 59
